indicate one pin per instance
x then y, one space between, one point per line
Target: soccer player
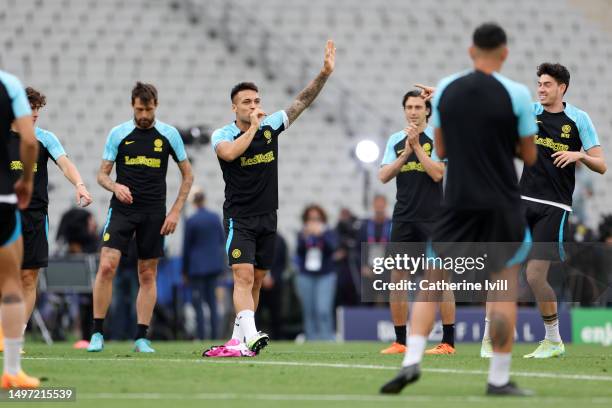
411 159
566 135
34 219
141 149
481 119
14 107
248 154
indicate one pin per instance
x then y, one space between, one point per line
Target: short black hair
147 93
415 93
242 86
557 71
489 36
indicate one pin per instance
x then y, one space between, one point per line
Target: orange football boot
442 348
21 380
394 348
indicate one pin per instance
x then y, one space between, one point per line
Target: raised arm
230 151
309 94
427 92
175 212
83 198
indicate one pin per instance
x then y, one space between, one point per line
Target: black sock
98 326
448 334
400 334
141 331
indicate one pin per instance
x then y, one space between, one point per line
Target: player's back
480 118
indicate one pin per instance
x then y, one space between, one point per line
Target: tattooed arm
309 94
122 192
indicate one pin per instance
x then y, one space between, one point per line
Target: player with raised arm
14 196
247 150
482 120
141 148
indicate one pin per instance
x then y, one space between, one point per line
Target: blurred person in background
377 229
582 195
316 282
270 301
125 288
77 234
203 261
347 258
374 230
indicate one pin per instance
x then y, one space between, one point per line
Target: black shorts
251 240
121 226
10 224
35 230
406 231
549 228
409 237
501 234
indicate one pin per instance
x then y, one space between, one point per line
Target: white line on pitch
585 377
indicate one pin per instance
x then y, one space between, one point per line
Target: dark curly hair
557 71
36 98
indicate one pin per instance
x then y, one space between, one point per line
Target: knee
244 279
500 329
107 270
29 280
146 277
535 277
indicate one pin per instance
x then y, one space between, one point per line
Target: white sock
247 322
552 331
12 355
415 349
486 335
25 326
237 333
499 369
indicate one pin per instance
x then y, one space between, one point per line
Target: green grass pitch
310 375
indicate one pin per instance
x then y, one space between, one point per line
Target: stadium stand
87 57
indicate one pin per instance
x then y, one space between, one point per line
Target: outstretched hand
330 58
427 92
